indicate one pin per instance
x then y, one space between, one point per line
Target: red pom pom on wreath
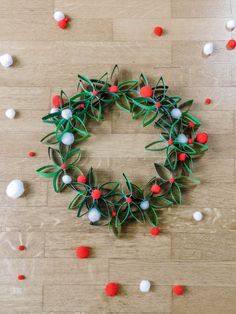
178 290
21 248
56 101
182 157
31 154
171 180
82 251
81 179
208 101
63 166
96 194
81 105
170 142
158 30
63 23
113 89
21 277
158 104
113 214
146 91
191 124
202 138
112 289
129 200
231 44
156 189
95 92
190 141
155 231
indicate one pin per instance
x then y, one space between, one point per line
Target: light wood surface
201 256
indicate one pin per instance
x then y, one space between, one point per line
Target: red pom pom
170 142
191 124
178 290
113 89
231 44
190 141
158 104
95 92
156 189
21 277
202 138
158 30
155 231
56 101
208 101
96 194
82 251
21 248
128 200
82 105
112 289
182 157
171 180
113 214
63 166
31 154
146 91
63 23
81 179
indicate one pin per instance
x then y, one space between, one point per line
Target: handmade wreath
119 202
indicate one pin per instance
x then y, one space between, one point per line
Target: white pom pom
10 113
54 110
181 138
58 16
176 113
15 189
66 114
144 286
230 25
208 49
6 60
144 205
67 138
94 215
66 179
198 216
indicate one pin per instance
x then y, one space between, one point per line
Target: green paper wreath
116 202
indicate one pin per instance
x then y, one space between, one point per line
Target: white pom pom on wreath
6 60
145 286
181 138
208 49
144 205
66 114
54 110
66 179
67 138
58 16
94 215
10 113
230 25
15 189
176 113
198 216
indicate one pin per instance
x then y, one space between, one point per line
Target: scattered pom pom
158 104
155 189
208 49
182 156
144 205
94 215
10 113
21 277
66 114
82 251
58 16
67 138
231 44
96 194
170 142
56 101
15 189
82 179
171 180
66 179
82 105
155 231
21 248
208 101
63 166
178 290
198 216
158 30
113 89
190 141
230 25
62 24
145 286
112 289
113 214
202 138
182 139
176 113
191 124
6 60
95 92
31 154
129 200
146 91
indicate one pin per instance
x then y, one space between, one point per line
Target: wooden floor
201 256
